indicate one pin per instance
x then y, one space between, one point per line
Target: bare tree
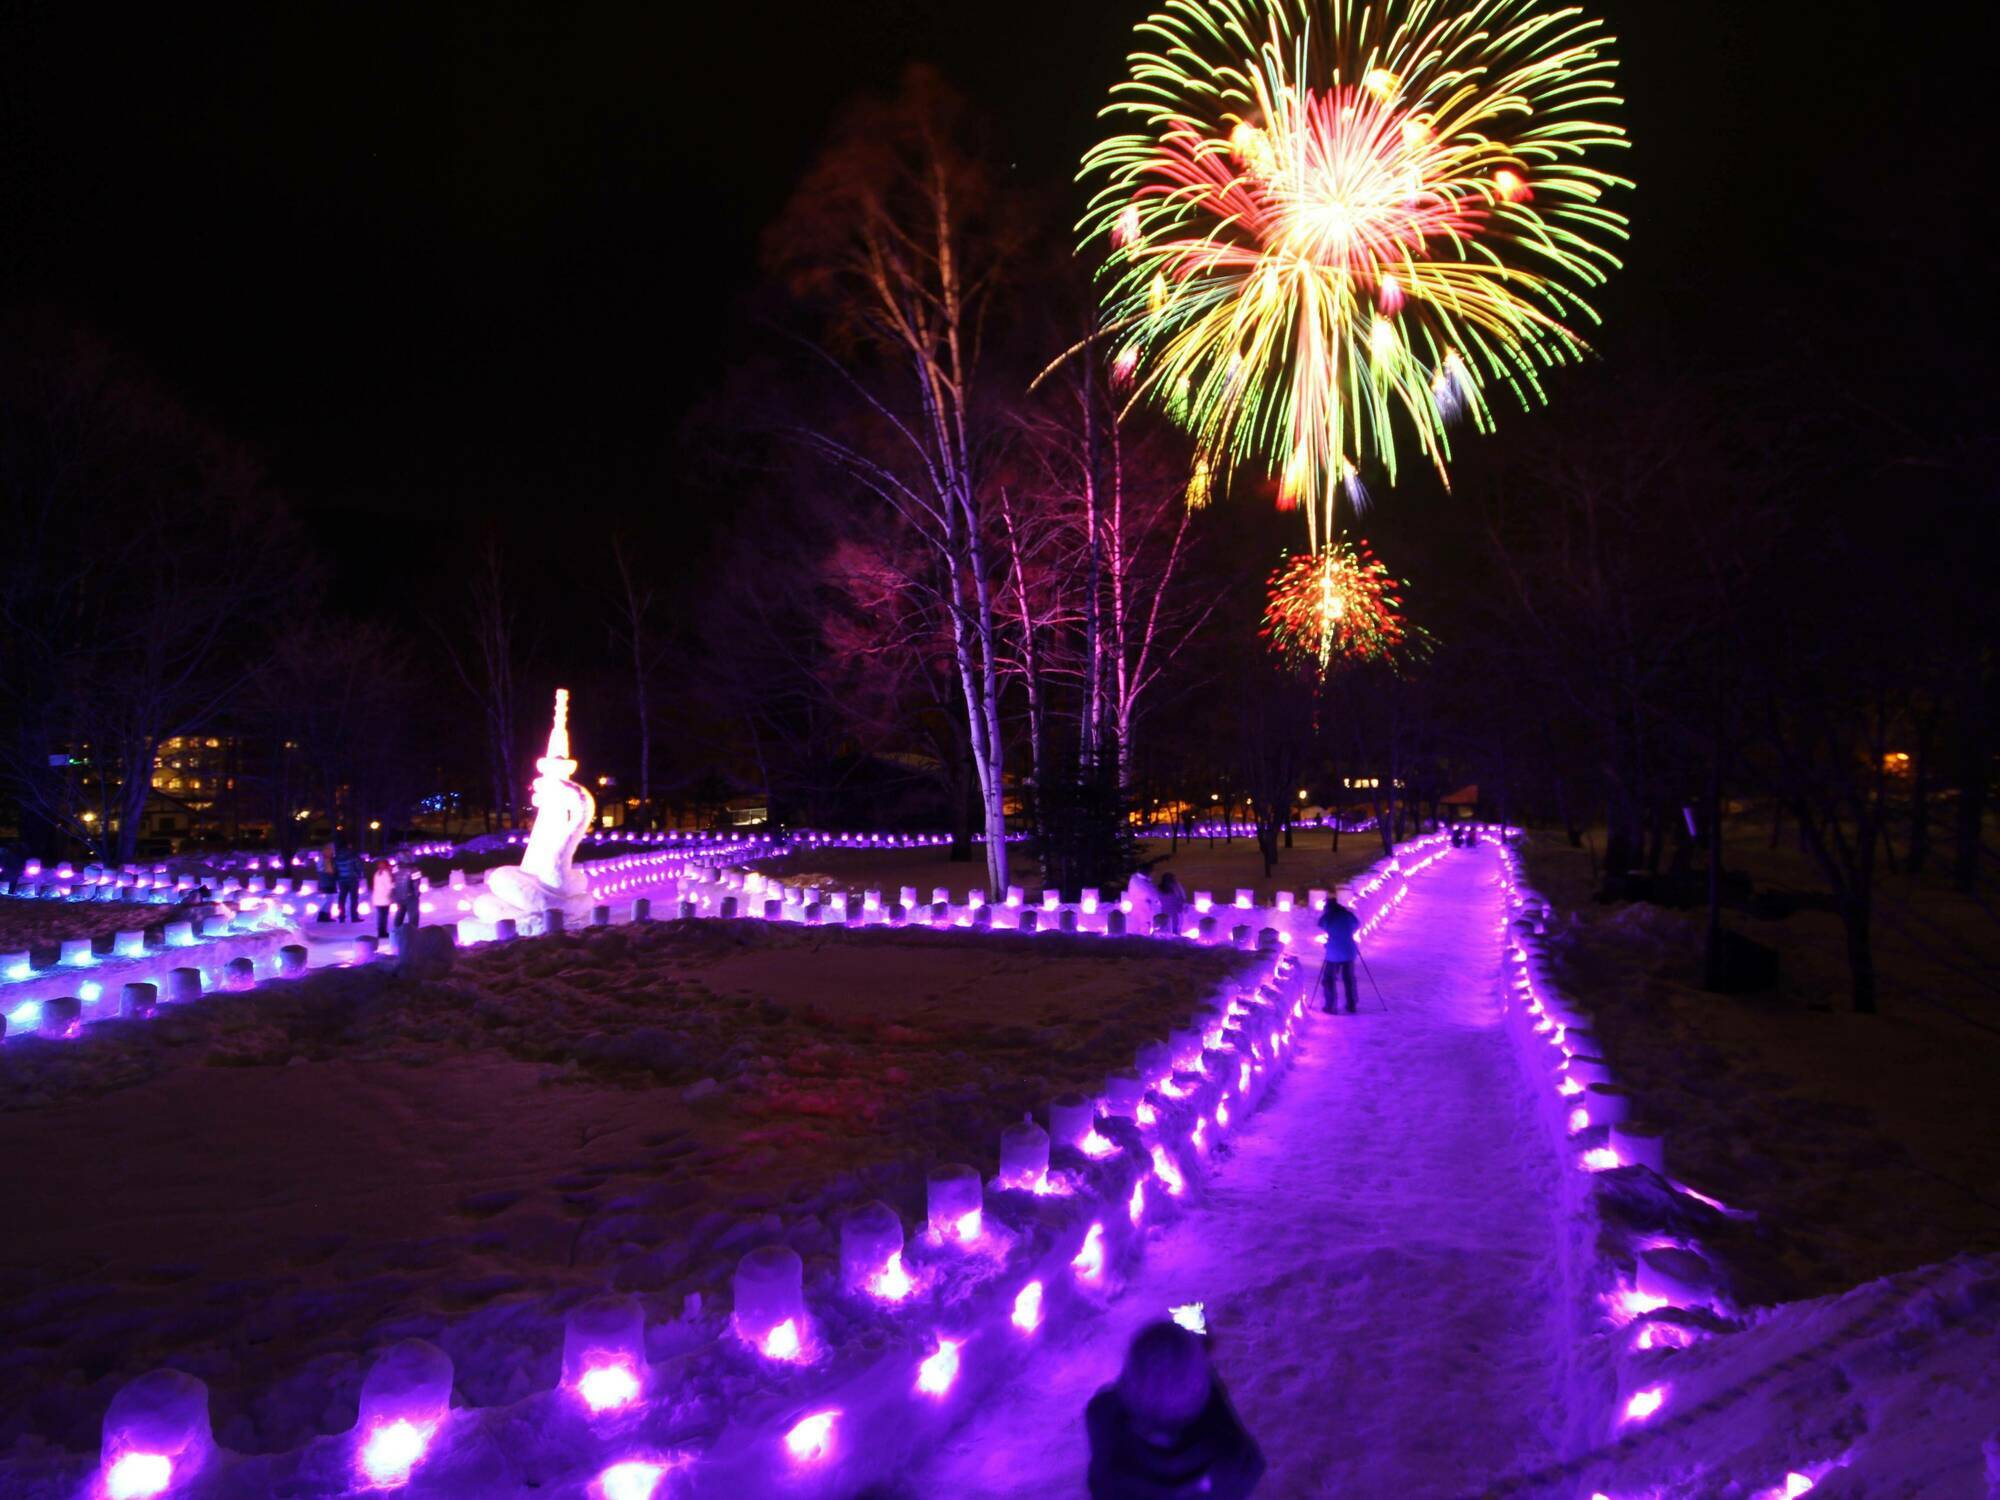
889 234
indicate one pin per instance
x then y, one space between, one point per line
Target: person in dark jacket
409 896
1340 926
1165 1430
346 883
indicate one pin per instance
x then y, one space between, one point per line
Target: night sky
441 263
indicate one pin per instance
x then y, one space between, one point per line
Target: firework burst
1338 604
1333 222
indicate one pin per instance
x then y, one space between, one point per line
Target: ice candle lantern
1024 1156
871 1252
156 1434
404 1400
956 1202
604 1352
1071 1118
770 1302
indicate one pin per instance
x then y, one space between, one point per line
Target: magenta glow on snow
939 1372
1027 1314
810 1439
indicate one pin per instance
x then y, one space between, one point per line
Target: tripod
1380 998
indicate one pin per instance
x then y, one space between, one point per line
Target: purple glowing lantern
1072 1118
604 1353
156 1435
404 1401
1589 1070
770 1303
1640 1145
871 1252
1123 1093
1607 1104
956 1201
1024 1156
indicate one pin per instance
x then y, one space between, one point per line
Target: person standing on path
381 891
1340 926
346 882
409 893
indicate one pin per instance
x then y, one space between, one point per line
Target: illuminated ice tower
563 815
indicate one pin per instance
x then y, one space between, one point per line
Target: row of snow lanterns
770 1311
157 1431
1669 1273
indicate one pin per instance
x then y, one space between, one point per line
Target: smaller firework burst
1335 606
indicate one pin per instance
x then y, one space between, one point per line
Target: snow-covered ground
1377 1260
262 1187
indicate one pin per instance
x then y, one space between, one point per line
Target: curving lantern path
1377 1261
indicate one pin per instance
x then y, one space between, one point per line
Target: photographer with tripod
1340 926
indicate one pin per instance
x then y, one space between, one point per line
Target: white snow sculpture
544 880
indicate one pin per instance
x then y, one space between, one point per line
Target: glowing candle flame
1579 1119
1601 1159
966 1228
782 1342
937 1374
608 1387
1095 1145
1137 1206
1145 1114
393 1449
1222 1113
892 1283
1168 1173
1190 1316
138 1475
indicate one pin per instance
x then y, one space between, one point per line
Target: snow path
1378 1255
